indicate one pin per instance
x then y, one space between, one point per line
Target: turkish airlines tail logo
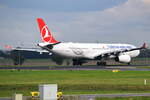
45 32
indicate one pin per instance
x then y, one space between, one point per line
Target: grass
74 82
144 67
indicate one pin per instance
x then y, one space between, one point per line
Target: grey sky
109 21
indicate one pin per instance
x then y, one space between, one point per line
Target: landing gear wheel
98 63
129 63
101 63
76 62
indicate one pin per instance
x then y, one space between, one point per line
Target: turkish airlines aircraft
79 52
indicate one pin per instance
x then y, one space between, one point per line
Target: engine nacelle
123 58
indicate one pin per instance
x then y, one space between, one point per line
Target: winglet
45 32
144 46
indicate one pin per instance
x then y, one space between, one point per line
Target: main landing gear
101 63
77 62
129 63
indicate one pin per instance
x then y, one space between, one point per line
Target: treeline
144 53
19 57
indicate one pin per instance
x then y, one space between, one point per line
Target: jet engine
123 58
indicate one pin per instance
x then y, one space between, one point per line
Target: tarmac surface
92 96
5 98
109 67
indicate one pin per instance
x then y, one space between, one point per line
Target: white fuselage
90 50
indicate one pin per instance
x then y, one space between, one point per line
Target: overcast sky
106 21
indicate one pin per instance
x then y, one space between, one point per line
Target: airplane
82 52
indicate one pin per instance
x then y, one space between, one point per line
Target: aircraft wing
116 53
31 49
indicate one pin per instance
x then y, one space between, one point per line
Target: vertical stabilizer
45 32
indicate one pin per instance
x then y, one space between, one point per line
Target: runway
92 96
109 67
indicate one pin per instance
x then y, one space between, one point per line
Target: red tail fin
45 32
